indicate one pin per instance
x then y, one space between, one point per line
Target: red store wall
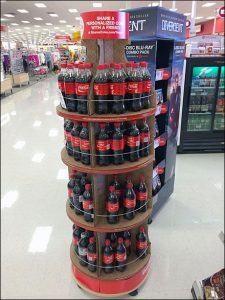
207 27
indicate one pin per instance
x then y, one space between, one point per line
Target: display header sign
62 37
149 22
105 25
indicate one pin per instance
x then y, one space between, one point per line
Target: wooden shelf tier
103 226
111 169
128 116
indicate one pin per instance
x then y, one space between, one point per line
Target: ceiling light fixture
9 15
14 24
155 4
49 24
53 15
187 14
210 17
38 19
40 5
25 22
173 9
97 4
62 21
23 11
77 18
37 26
208 4
68 25
198 18
72 10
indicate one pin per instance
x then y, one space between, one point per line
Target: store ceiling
65 22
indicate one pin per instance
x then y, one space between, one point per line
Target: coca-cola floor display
109 151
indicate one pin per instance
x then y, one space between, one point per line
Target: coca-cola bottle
83 80
101 89
144 139
89 233
117 90
75 140
112 206
121 255
102 146
156 130
77 198
141 243
82 249
133 142
146 85
108 257
61 79
91 255
127 241
117 145
118 188
134 88
70 93
76 237
88 204
70 187
128 96
141 195
84 144
67 134
129 202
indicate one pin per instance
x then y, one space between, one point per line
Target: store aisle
36 233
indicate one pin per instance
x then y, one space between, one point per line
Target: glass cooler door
219 113
202 98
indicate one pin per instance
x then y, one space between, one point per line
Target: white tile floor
185 242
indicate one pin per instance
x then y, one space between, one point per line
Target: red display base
110 287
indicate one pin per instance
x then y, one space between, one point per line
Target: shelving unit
128 281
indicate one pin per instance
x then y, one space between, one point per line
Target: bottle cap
130 185
143 64
112 188
91 240
117 66
107 242
63 65
87 186
129 64
120 240
141 229
135 65
102 125
85 124
102 67
142 178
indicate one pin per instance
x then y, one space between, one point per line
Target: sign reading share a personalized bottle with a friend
104 25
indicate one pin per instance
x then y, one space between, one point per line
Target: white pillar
193 15
174 5
160 3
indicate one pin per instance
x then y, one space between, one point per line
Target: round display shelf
103 226
123 168
128 116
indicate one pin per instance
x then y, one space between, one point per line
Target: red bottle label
133 141
141 245
91 257
121 257
84 144
70 193
82 89
117 145
145 137
134 87
102 145
127 243
75 240
142 196
101 89
129 203
108 259
69 88
146 86
75 141
112 207
67 136
87 204
117 89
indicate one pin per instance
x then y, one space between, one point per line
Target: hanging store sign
4 28
104 25
63 38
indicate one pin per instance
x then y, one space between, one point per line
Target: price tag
80 198
156 143
62 102
158 110
155 172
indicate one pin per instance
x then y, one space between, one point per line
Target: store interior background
35 231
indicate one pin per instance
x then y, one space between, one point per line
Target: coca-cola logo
82 88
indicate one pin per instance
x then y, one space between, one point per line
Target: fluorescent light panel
97 4
23 11
62 21
72 10
9 15
208 4
40 5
